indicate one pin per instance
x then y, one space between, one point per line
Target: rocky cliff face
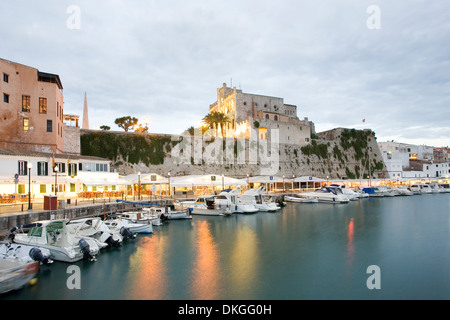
337 153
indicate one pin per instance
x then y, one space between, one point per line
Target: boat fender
36 255
85 249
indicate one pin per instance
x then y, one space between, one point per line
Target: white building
412 161
19 169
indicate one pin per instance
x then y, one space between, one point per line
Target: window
275 118
61 166
6 98
26 105
22 170
5 77
21 188
43 106
72 167
26 124
267 117
42 168
72 187
49 126
43 188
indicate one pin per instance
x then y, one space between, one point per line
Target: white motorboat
203 205
24 253
387 191
230 198
327 195
426 189
435 188
15 274
444 187
53 235
96 229
352 195
403 191
416 189
119 223
169 213
256 197
296 198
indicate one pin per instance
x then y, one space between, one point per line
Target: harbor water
304 251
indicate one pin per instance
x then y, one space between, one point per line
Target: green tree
105 128
126 123
215 120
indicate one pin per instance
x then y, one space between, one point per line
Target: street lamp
29 166
170 193
55 169
139 185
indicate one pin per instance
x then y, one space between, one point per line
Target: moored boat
53 235
327 195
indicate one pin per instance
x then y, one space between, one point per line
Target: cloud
165 60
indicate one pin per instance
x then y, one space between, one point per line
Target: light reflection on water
306 251
206 272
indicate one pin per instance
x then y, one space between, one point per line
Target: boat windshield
56 226
35 232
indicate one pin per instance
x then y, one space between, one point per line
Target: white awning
205 181
268 179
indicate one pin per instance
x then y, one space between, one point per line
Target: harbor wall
337 154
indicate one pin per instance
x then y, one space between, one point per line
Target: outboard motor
36 255
127 234
85 249
112 243
164 217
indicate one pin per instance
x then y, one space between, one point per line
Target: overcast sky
339 61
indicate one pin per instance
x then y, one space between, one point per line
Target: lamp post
170 193
55 169
29 166
284 189
223 185
139 185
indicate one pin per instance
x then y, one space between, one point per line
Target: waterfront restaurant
24 173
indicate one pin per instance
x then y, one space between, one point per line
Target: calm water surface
305 251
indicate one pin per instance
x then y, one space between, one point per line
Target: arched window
275 118
267 117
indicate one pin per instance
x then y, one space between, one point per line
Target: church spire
85 114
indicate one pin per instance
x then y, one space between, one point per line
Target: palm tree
223 120
210 120
215 120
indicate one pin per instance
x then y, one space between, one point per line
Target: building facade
31 109
20 170
414 161
249 112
